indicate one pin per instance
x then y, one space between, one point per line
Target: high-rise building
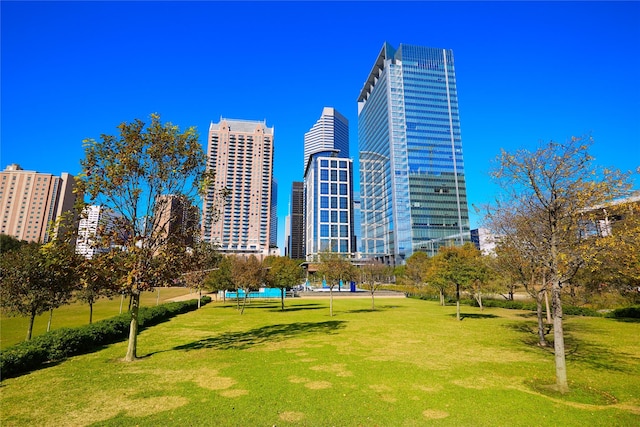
296 222
412 181
328 187
240 152
95 223
329 133
177 221
30 200
273 231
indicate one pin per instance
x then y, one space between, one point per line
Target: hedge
61 343
632 312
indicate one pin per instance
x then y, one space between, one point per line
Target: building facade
412 181
30 200
240 152
296 222
328 187
95 223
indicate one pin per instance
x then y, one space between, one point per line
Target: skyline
526 72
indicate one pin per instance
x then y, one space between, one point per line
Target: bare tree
558 182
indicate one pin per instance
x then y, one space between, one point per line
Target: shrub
632 312
64 342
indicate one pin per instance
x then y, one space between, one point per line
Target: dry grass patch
318 385
339 369
291 417
434 414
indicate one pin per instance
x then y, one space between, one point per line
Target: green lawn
410 363
14 329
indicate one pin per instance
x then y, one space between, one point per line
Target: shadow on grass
596 356
475 316
625 319
301 307
270 333
369 310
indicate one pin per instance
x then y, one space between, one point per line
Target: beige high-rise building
30 200
240 152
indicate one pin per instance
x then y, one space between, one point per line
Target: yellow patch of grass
318 385
434 414
291 417
339 369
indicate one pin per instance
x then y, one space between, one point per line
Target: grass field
14 329
409 363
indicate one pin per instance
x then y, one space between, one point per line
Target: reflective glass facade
412 182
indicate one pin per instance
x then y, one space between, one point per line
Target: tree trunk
121 302
479 299
130 301
330 301
32 317
91 312
50 317
542 341
558 339
457 301
373 307
158 298
282 298
199 297
244 301
133 330
441 297
546 301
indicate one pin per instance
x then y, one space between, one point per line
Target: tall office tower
331 132
95 223
30 200
240 152
412 182
328 187
273 232
296 218
357 223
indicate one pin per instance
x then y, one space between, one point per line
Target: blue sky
527 72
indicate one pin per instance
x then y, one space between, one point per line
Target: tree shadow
475 316
296 308
270 333
596 356
625 319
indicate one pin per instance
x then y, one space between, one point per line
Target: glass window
334 175
324 188
343 164
334 189
344 203
324 202
324 244
334 164
334 203
334 231
343 175
324 163
344 231
324 174
334 216
324 215
343 189
324 230
343 217
344 246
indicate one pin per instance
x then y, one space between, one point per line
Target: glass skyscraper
412 181
328 187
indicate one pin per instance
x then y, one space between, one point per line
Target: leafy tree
9 243
247 274
132 173
372 275
460 266
35 279
100 276
221 279
420 270
199 261
558 183
283 273
335 268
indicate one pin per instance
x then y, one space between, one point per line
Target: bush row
632 312
60 343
